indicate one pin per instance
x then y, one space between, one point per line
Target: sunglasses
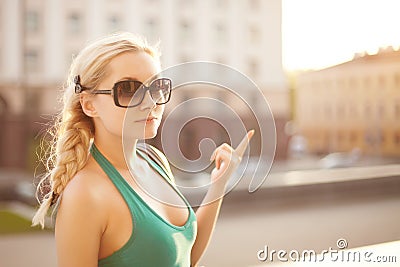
130 93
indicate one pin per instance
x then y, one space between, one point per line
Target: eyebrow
157 76
127 78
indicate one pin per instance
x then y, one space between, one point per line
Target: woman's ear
87 105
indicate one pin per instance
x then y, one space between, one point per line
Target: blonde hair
73 130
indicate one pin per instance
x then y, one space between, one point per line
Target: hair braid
68 156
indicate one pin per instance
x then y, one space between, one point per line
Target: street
302 217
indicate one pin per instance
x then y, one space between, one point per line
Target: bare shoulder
85 185
85 192
81 216
83 197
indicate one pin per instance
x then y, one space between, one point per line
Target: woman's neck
112 147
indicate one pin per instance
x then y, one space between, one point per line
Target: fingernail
251 132
212 156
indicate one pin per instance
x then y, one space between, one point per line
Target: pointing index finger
243 144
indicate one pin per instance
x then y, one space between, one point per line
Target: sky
321 33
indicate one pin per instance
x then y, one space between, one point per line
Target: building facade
41 37
352 105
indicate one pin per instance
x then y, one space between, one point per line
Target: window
3 106
328 111
253 67
341 84
382 137
341 111
222 4
254 34
368 110
220 32
397 109
341 137
396 138
114 23
151 29
74 23
184 3
32 21
328 84
381 111
367 82
382 82
31 60
353 112
255 4
353 137
352 83
315 112
185 31
397 80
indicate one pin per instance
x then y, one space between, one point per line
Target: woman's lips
148 120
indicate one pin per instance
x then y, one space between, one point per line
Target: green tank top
154 242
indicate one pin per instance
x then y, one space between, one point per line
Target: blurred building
40 38
352 105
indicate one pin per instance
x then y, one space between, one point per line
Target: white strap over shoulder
158 157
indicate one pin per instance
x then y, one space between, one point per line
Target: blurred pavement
280 215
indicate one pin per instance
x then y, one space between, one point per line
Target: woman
103 216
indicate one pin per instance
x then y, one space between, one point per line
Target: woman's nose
148 101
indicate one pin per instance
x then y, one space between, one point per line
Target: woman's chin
149 134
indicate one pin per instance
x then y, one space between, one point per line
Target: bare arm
207 215
226 160
78 226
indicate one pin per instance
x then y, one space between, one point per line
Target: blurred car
17 186
297 146
340 159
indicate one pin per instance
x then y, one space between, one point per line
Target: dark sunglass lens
127 92
160 90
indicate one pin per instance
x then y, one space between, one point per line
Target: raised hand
227 160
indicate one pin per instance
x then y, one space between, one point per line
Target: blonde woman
103 217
